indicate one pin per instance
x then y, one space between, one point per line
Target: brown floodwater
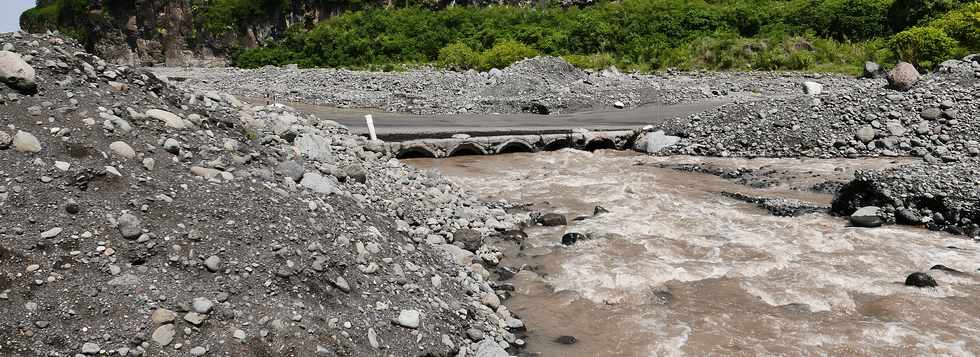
676 269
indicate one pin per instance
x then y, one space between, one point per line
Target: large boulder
16 73
920 280
902 77
812 88
654 142
868 217
25 142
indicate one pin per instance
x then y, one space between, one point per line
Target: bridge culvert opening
467 149
558 145
514 146
415 153
600 144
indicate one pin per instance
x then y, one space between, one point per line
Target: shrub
505 53
459 57
903 14
963 25
596 61
923 47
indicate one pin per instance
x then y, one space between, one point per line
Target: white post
370 124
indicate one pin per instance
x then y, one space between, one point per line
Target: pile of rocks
542 85
938 196
937 119
139 218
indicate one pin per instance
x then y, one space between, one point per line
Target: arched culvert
600 144
514 146
557 144
467 149
415 152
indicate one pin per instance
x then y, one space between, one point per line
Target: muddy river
675 268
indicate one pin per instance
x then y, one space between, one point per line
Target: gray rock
871 70
90 348
373 338
654 142
409 318
16 73
489 348
164 335
291 169
459 255
195 318
51 233
122 149
172 146
213 263
5 140
129 226
868 217
895 128
25 142
198 351
931 114
169 119
163 316
356 173
318 183
812 88
866 134
202 305
903 77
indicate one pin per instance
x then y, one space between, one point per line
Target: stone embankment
139 218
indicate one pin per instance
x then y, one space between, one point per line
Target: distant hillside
832 35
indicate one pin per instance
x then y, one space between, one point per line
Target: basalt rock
552 219
920 280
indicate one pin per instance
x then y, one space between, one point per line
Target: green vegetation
835 35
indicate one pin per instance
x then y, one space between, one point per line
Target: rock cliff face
196 32
167 32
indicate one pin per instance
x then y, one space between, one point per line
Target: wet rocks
566 340
552 220
572 238
920 280
26 142
868 217
470 238
16 73
903 77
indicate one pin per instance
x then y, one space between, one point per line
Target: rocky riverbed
139 218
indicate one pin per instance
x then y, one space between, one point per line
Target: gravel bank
542 85
137 218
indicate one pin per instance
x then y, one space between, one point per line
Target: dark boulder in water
566 340
599 210
571 238
471 239
920 280
552 219
514 234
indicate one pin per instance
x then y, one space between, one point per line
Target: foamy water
678 269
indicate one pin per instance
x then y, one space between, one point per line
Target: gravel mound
139 218
938 196
938 120
542 85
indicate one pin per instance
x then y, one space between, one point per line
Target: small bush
963 25
596 61
800 60
505 53
907 13
923 47
459 57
